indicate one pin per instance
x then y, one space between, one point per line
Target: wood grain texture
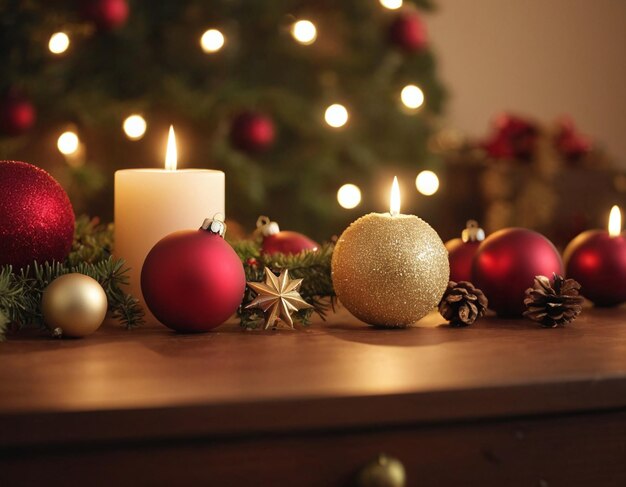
152 383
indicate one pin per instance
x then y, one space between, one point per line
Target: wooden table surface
152 383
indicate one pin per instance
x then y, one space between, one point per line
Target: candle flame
394 204
615 221
171 157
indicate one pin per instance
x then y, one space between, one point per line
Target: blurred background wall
536 57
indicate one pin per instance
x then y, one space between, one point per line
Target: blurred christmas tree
247 84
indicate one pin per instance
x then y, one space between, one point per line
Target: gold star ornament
278 297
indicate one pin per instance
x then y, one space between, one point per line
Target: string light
134 127
412 97
59 42
391 4
68 143
212 41
427 183
336 115
349 196
304 31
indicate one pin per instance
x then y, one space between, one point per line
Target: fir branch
21 293
11 299
93 241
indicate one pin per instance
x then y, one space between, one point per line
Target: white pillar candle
151 203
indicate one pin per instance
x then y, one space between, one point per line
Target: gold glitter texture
390 271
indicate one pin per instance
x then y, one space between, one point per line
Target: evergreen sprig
21 291
313 267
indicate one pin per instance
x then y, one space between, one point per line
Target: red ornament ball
192 280
460 255
506 264
17 116
252 132
276 241
598 262
461 251
408 32
36 216
107 14
287 242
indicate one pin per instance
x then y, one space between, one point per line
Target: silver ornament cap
215 225
472 232
266 227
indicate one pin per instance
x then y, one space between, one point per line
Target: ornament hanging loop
266 227
215 225
472 232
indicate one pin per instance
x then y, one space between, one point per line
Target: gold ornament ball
75 303
390 270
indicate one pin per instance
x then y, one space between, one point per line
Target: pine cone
462 303
553 304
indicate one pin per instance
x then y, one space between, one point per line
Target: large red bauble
192 280
598 262
408 32
17 116
287 242
107 14
506 264
460 255
36 216
252 132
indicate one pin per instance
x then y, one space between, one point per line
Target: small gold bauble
390 270
75 303
385 471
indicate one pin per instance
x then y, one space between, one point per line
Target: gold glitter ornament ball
75 304
390 270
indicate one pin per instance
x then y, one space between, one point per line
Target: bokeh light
427 183
349 196
391 4
304 31
412 97
212 41
134 127
68 143
59 42
336 115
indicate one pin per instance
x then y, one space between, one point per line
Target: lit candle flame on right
394 200
615 221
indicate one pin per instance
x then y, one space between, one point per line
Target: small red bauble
107 14
408 32
598 262
17 115
461 251
506 264
252 132
193 280
36 216
276 241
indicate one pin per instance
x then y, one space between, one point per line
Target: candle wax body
152 203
